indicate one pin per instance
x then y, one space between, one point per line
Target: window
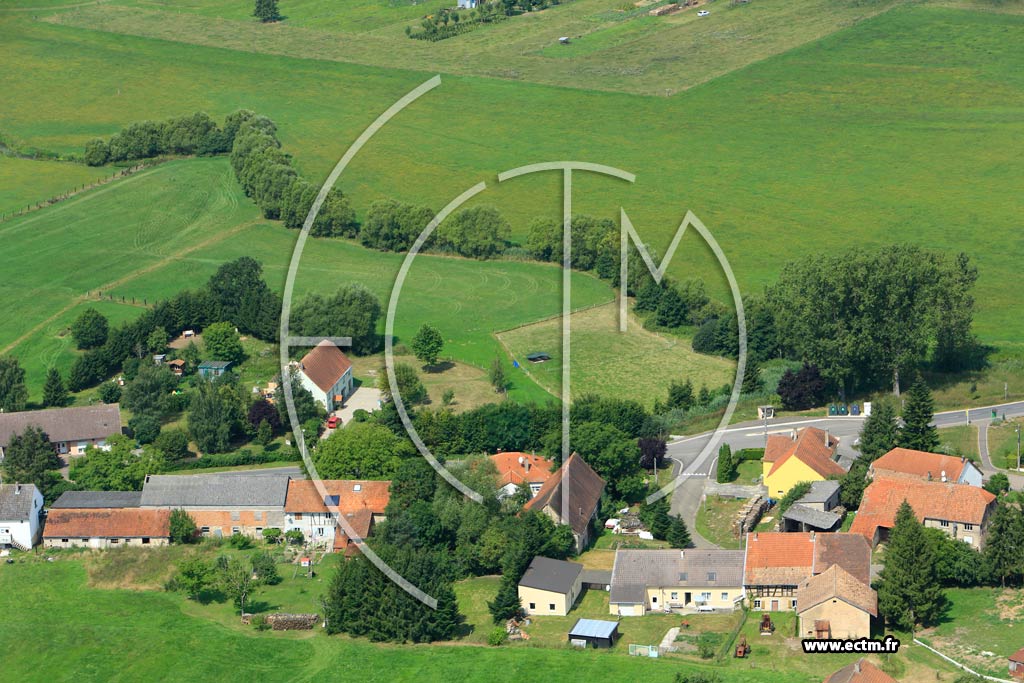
712 576
259 530
63 540
357 488
115 541
757 604
235 530
551 606
258 515
968 527
145 540
533 605
705 597
236 516
673 595
320 531
792 603
725 596
298 516
943 523
204 530
654 599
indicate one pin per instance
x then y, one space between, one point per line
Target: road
695 462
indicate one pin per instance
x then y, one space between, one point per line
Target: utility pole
1018 446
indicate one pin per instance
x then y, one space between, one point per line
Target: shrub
497 636
240 541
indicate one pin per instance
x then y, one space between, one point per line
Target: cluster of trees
235 294
663 525
227 577
479 232
266 11
193 134
448 22
353 311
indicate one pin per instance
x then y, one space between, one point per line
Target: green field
131 635
25 182
636 365
900 127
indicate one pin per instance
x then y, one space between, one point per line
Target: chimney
929 475
755 535
856 666
828 440
682 554
521 460
793 434
526 466
812 537
943 475
17 488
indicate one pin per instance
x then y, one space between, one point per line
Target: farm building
326 373
1017 664
861 671
362 503
834 604
594 632
106 528
20 505
583 488
550 587
515 469
814 510
808 454
675 580
907 463
960 510
70 430
93 500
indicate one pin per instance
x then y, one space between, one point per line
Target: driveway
363 398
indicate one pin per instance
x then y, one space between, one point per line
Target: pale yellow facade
790 473
845 620
537 602
661 599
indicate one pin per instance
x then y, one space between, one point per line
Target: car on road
332 422
703 13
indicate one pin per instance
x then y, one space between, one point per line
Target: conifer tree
506 603
55 394
880 432
918 412
1003 543
909 591
726 466
678 535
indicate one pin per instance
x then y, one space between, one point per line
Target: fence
961 666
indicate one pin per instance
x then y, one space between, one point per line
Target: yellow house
550 587
806 455
692 580
835 604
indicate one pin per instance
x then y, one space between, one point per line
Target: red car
332 422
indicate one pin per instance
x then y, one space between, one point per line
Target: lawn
1002 443
980 621
470 383
637 364
111 634
962 440
715 519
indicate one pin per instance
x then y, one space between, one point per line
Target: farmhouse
221 504
515 469
362 503
834 604
582 487
777 563
960 510
808 454
20 505
861 671
326 373
70 430
550 587
904 462
106 528
675 580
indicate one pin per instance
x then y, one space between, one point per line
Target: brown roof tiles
836 582
108 523
930 500
325 364
584 493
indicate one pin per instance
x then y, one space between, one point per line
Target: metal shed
594 632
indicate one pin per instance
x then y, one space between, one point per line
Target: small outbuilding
1017 664
594 632
213 368
550 587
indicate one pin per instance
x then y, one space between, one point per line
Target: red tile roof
534 469
325 365
861 671
361 522
1018 656
919 464
108 523
785 559
814 447
836 582
304 496
960 503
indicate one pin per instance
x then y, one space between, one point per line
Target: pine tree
703 396
55 395
678 535
752 382
264 433
649 296
880 432
266 11
506 603
918 412
671 309
680 395
909 591
1003 543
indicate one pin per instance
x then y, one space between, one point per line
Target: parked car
703 13
332 422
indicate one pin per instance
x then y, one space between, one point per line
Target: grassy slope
635 365
27 181
903 127
121 635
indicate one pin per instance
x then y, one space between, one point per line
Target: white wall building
326 373
20 505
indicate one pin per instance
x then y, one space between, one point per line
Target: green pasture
117 635
903 127
26 182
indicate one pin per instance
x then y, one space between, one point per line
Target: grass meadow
111 634
902 127
25 182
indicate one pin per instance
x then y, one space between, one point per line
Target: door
687 598
775 606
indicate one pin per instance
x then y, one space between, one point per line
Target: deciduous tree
90 329
427 344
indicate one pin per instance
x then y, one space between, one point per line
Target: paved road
692 458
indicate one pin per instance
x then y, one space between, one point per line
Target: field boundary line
961 666
82 298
